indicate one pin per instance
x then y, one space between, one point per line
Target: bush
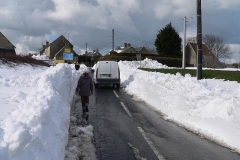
206 74
166 60
13 60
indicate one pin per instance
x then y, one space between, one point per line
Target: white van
106 72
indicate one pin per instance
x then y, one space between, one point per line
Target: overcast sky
29 23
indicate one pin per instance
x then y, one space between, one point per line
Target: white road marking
115 93
126 109
159 156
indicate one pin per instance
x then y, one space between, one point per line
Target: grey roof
125 50
5 43
138 48
97 53
89 54
94 53
205 49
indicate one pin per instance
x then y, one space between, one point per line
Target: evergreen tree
168 41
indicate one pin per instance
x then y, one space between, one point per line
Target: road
127 129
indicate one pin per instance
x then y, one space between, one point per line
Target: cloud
65 10
134 21
223 4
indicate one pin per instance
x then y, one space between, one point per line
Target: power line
106 44
101 46
135 38
213 27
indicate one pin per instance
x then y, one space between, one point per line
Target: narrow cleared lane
127 129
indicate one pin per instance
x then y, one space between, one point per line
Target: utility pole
184 43
199 40
112 39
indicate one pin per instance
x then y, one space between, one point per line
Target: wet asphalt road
139 132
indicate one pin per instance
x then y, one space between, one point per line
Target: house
209 60
95 53
6 47
127 48
60 49
142 50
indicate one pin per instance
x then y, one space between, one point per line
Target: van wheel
118 85
95 85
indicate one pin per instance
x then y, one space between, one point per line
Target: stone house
208 58
6 47
58 49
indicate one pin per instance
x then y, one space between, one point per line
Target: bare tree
217 46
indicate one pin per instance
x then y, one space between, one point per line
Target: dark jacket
85 85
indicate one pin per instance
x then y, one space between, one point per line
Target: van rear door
104 70
114 70
107 72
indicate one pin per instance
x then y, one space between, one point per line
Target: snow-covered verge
35 104
209 107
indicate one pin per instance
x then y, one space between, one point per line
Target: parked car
107 73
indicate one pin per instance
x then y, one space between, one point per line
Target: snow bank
38 129
208 107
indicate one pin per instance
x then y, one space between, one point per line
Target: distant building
57 48
208 58
127 48
95 53
143 50
6 47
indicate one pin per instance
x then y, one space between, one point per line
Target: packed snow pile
209 107
44 58
80 140
38 124
40 57
146 63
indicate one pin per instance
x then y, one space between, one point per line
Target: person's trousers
85 102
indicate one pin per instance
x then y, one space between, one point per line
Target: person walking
77 66
85 89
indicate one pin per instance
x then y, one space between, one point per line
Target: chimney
129 45
47 43
125 45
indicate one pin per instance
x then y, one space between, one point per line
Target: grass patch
206 74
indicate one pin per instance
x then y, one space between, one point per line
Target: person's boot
86 107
